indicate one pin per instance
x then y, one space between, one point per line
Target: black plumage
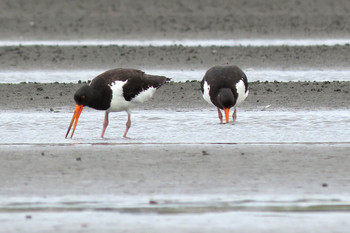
103 93
225 87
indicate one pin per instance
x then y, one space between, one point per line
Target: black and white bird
113 91
225 87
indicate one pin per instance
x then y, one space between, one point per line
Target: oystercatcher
113 91
225 87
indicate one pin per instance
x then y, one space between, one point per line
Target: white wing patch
206 95
144 95
242 95
118 102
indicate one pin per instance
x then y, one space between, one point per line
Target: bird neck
100 99
225 98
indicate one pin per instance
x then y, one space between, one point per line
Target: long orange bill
75 118
227 114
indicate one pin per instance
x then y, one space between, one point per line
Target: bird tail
156 80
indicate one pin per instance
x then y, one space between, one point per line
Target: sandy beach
157 187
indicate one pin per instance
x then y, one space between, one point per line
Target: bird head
82 95
226 100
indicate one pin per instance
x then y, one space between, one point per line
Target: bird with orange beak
113 91
225 87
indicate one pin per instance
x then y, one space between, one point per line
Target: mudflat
257 174
236 169
174 19
172 96
172 57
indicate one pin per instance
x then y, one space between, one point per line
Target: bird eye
82 97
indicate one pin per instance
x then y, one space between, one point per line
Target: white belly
206 95
242 95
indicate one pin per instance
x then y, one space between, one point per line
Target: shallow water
171 214
159 126
90 221
49 76
177 204
182 42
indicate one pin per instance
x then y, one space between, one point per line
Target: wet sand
173 96
236 169
174 19
138 20
301 171
173 57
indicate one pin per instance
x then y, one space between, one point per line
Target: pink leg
128 124
220 115
105 124
234 115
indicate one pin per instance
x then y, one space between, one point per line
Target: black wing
137 81
224 77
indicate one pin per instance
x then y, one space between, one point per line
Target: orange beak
227 114
75 118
